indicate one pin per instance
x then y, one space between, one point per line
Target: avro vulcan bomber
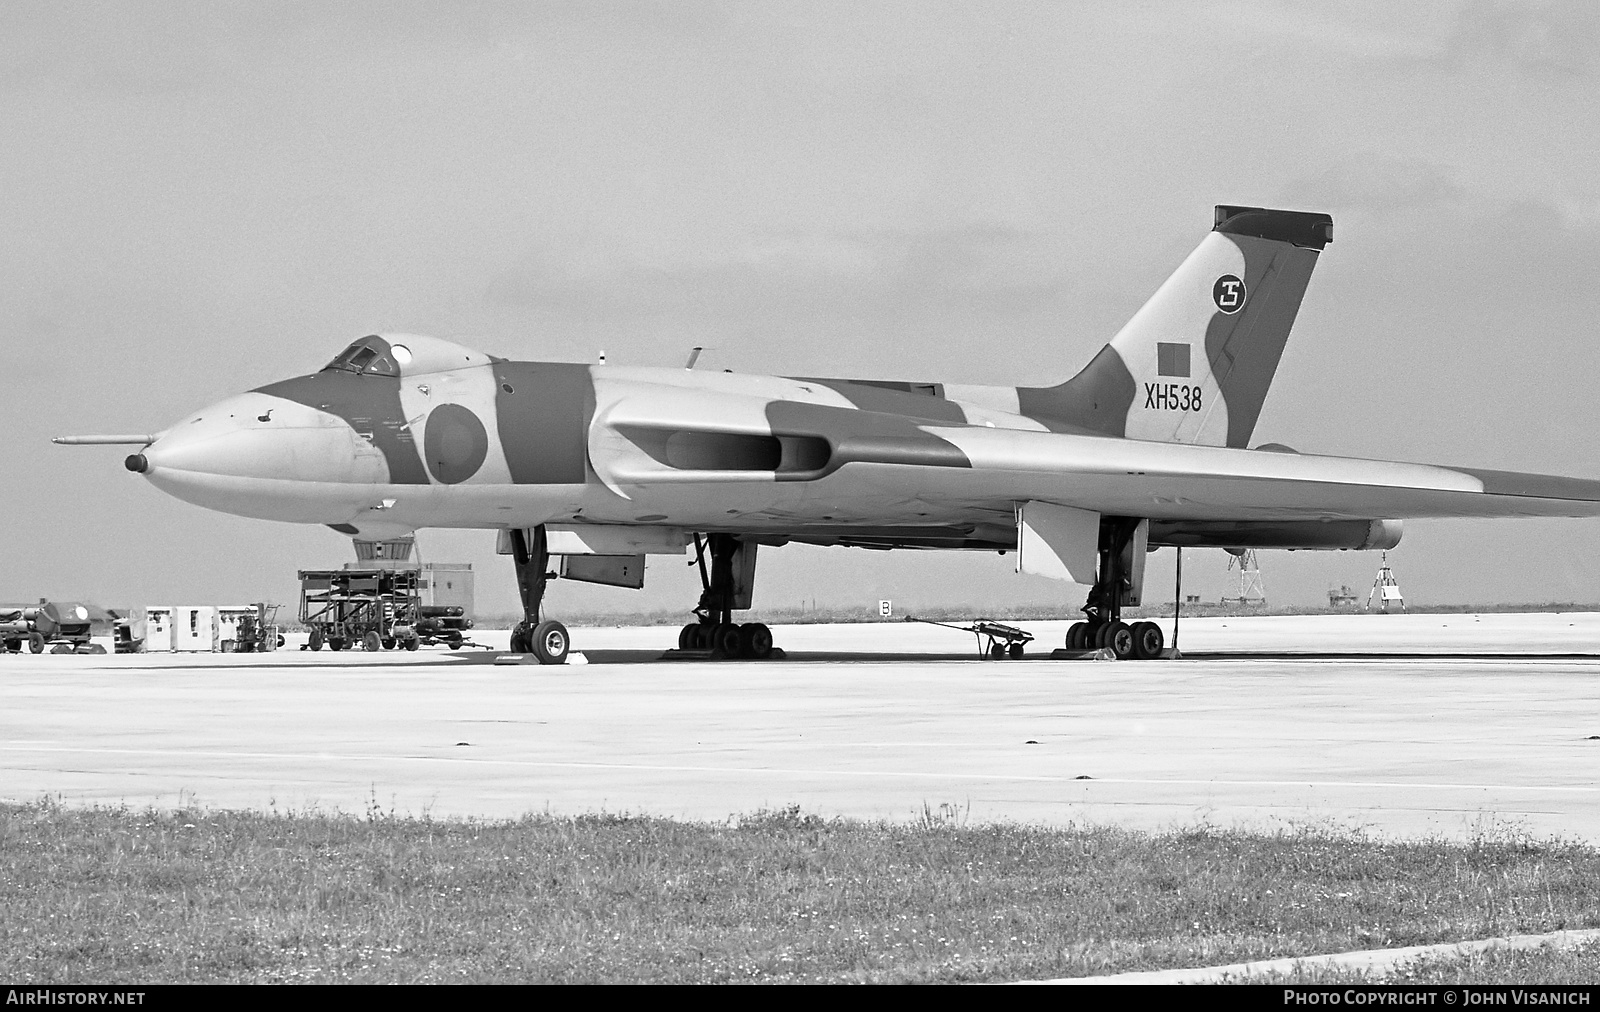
601 465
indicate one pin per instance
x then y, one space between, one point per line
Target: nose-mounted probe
135 462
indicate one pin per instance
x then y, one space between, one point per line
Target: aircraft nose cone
259 437
263 456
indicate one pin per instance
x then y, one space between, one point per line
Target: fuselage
404 431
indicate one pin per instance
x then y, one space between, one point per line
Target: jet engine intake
699 450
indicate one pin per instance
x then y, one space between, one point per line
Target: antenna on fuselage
602 356
694 356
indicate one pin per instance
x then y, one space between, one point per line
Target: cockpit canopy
371 355
396 355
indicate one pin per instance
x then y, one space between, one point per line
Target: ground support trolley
376 609
996 640
59 628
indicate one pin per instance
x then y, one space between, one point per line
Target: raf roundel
454 444
1228 294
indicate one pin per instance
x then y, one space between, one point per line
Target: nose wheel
546 639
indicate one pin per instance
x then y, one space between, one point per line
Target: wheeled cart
996 640
376 609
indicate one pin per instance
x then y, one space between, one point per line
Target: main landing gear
727 587
1118 582
545 639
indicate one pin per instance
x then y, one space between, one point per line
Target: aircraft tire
725 640
36 643
1075 633
551 642
686 636
702 636
1119 640
756 640
317 638
411 642
372 642
1147 640
1015 651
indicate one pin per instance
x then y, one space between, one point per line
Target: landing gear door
609 570
1060 542
744 576
1133 554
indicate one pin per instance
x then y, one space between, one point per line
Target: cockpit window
370 355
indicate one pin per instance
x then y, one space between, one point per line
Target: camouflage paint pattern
371 405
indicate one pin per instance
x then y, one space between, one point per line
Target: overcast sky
196 199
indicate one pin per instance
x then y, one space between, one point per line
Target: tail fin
1194 364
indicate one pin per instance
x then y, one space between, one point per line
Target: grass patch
117 895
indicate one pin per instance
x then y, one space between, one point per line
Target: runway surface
1401 725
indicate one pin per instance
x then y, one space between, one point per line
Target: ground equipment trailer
63 627
376 609
996 640
443 623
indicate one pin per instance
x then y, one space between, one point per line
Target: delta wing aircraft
594 467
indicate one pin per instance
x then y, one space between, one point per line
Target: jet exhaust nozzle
136 463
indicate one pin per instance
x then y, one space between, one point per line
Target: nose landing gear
546 639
